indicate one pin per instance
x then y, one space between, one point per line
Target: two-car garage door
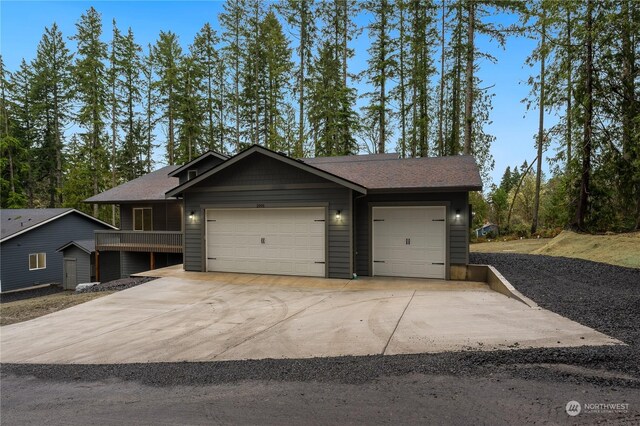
409 241
283 241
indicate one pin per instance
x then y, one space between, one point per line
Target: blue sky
22 24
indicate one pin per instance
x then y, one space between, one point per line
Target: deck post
97 260
153 261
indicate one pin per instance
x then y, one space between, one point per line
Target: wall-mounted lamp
191 214
457 213
338 215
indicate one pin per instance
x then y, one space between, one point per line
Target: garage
283 241
409 241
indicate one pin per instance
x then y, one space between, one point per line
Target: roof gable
193 163
19 221
281 158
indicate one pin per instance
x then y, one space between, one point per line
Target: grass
614 249
514 246
26 309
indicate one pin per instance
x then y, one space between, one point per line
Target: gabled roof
150 187
281 157
383 172
18 221
88 246
195 161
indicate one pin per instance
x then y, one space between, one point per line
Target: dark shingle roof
150 187
385 171
18 221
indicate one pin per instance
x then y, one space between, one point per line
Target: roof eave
466 188
197 160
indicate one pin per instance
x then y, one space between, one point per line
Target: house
487 229
260 211
263 212
151 224
29 241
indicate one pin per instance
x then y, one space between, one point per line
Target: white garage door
286 241
409 241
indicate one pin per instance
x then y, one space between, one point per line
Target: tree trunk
468 107
441 101
403 107
536 202
299 151
569 87
583 200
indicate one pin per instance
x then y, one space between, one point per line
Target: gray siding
166 215
458 229
14 257
83 263
109 266
263 171
202 166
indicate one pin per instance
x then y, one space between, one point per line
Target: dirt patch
26 309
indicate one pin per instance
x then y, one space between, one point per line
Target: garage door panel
273 241
408 240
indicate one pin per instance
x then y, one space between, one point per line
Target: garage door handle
437 263
319 262
379 261
437 220
262 240
378 220
212 258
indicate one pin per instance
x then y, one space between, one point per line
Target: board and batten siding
235 187
47 238
457 229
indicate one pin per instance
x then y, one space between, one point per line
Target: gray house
263 212
30 239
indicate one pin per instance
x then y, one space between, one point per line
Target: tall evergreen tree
167 54
52 89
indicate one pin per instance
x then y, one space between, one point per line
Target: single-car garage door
283 241
409 241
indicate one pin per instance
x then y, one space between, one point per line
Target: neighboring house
487 228
263 212
30 239
151 225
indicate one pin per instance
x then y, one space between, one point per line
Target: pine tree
52 91
167 54
382 65
208 60
150 115
189 111
331 114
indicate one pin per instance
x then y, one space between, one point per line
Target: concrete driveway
206 317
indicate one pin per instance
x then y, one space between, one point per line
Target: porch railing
144 241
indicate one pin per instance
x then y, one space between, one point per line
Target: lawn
614 249
26 309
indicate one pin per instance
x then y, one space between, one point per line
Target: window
142 219
37 261
191 174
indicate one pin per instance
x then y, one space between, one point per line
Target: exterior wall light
457 213
191 214
338 215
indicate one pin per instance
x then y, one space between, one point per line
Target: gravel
116 285
28 294
601 296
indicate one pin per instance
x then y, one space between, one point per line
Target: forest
74 123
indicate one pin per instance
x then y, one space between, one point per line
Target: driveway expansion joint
398 323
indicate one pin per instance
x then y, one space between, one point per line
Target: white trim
37 255
190 171
52 219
